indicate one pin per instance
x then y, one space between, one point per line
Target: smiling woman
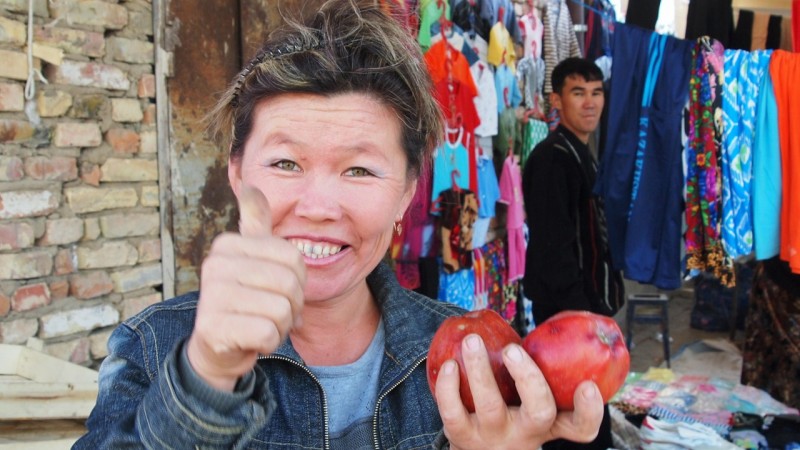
299 336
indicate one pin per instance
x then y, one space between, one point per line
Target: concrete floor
647 350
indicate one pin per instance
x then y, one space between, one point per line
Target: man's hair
571 67
347 46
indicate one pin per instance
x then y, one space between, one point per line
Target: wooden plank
41 367
46 435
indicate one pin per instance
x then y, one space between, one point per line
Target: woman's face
334 173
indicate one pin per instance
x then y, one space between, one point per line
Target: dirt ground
687 349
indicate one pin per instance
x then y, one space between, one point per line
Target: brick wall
79 221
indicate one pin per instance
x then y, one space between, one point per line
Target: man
568 265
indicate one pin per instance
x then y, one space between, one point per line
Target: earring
398 228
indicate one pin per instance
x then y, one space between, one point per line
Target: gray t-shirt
351 391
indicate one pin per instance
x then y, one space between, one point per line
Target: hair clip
262 56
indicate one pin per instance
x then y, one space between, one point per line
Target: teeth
316 250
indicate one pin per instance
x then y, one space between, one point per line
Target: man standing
568 266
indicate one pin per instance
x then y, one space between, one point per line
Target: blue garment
448 158
505 83
457 288
640 176
488 188
743 74
766 186
144 401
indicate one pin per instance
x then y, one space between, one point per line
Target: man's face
580 104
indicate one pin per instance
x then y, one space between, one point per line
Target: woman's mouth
316 250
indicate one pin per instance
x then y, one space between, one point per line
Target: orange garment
785 71
436 59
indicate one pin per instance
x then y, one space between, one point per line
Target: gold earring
398 228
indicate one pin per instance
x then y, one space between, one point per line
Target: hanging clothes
766 185
450 165
599 19
643 13
742 37
560 41
640 176
774 32
495 263
430 11
466 14
534 133
491 11
712 18
743 74
486 100
436 58
506 88
457 288
409 244
703 197
532 30
785 71
455 37
501 47
530 75
511 195
458 209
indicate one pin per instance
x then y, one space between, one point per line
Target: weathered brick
12 130
98 343
79 42
106 254
126 110
94 13
91 229
21 6
146 87
123 140
140 22
11 168
17 204
52 168
88 74
66 261
72 134
23 265
117 169
137 278
148 142
150 196
88 107
75 351
126 225
12 97
15 65
62 323
12 32
5 304
131 51
53 103
149 250
82 199
15 235
59 289
30 297
90 285
90 174
62 231
18 331
133 306
149 115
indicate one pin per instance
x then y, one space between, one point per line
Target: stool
661 317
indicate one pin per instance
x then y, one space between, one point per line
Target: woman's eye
285 164
359 172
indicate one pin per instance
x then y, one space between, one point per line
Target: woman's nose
319 199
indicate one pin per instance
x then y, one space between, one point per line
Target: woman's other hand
497 426
251 295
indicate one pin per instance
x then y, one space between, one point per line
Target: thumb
255 217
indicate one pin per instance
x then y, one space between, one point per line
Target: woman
330 125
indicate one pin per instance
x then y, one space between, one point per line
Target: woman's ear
235 173
405 202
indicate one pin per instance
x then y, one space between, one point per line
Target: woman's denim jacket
147 400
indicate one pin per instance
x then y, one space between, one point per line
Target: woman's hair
347 46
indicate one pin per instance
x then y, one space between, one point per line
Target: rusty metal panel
209 42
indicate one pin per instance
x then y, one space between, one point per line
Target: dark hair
346 46
571 67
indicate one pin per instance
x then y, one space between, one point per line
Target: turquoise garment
766 185
744 72
508 94
450 157
458 287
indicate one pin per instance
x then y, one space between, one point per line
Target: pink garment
511 194
532 30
